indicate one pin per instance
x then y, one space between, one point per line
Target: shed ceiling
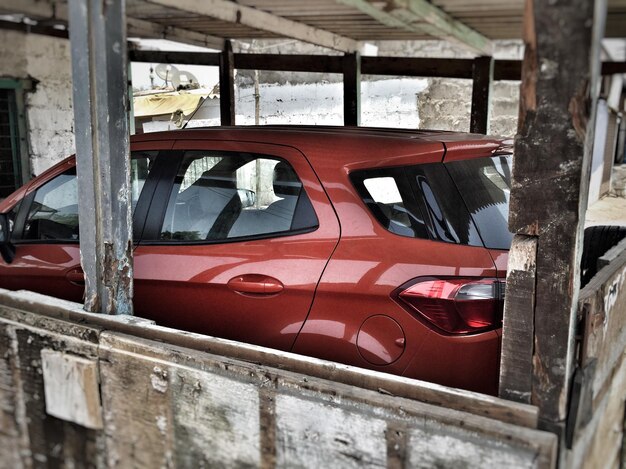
337 24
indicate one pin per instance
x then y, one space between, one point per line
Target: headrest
286 182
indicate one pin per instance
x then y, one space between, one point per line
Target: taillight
456 305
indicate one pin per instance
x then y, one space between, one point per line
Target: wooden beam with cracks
232 12
423 17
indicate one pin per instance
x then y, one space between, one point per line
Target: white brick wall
49 107
308 98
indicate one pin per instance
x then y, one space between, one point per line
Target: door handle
255 284
76 276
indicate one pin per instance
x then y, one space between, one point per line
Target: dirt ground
611 210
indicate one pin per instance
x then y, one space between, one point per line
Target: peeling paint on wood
170 406
71 388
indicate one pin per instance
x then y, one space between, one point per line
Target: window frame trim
143 204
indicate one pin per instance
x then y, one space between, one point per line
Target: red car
384 249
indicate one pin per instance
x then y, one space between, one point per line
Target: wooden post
548 200
227 85
352 89
100 92
482 75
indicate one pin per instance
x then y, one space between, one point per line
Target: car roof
348 143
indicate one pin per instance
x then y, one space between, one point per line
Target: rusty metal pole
100 92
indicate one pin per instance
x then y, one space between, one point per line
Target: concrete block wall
385 103
50 119
446 104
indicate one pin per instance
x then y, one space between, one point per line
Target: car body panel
329 292
195 278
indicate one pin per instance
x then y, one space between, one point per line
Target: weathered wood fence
597 416
85 390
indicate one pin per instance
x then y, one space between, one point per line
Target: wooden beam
390 66
518 328
149 30
549 192
290 63
439 24
417 67
423 17
352 89
167 57
481 95
258 19
507 70
613 68
99 82
227 85
48 10
32 8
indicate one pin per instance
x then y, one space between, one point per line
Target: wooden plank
167 57
422 16
71 388
149 30
550 183
613 68
482 84
290 63
227 85
261 20
43 440
13 443
314 420
352 89
166 405
418 67
136 27
604 299
507 70
518 326
440 24
478 404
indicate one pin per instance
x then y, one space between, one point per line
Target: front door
46 231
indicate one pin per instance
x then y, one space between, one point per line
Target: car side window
53 214
389 197
227 195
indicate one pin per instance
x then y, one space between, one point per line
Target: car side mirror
248 197
7 250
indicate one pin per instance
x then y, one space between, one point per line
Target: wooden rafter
149 30
231 12
423 17
55 10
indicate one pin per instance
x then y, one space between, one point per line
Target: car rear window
485 186
462 202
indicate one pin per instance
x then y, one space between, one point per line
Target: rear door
236 240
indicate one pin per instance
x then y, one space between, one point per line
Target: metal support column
227 85
352 89
100 92
482 74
